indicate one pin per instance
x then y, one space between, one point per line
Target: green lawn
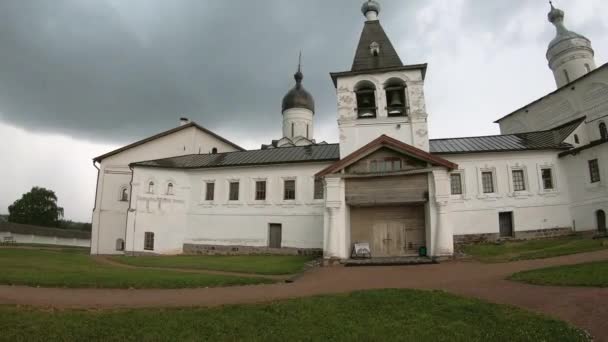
534 249
385 315
269 265
74 268
592 274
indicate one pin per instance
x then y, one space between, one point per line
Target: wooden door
601 221
275 236
506 224
389 239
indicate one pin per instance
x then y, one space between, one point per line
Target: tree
37 207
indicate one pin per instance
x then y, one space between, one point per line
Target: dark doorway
506 224
601 221
275 235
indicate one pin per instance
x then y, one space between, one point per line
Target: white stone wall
586 197
588 97
411 129
186 217
110 214
302 121
477 213
46 240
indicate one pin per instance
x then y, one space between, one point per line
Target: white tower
298 111
570 54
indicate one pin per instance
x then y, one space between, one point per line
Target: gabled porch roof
391 143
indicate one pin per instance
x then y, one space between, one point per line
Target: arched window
151 187
395 97
293 130
120 245
124 194
603 131
576 139
170 189
366 100
214 150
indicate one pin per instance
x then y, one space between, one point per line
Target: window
567 76
395 97
547 178
307 131
576 139
366 100
170 189
293 129
149 241
234 191
587 67
385 165
290 190
214 150
260 190
151 187
603 131
456 183
519 182
124 194
487 182
210 191
318 191
594 171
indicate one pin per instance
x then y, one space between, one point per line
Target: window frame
149 241
594 171
365 88
551 170
151 187
170 189
603 129
316 192
258 191
286 190
209 195
492 174
123 194
460 183
523 182
230 190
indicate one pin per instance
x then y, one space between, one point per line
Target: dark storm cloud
117 70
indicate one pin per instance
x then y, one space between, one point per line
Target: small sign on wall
361 250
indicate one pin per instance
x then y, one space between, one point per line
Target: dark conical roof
298 97
387 56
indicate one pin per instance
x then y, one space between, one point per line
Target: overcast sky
79 78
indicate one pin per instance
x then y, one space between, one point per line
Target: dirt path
584 307
108 261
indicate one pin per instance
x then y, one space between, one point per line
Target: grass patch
593 274
74 268
260 264
534 249
386 315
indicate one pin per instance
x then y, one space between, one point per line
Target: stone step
395 261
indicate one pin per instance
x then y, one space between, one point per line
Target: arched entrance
601 221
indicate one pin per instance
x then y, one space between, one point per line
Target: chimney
184 121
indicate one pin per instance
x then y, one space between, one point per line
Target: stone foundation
248 250
469 239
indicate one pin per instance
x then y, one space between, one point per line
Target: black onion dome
298 97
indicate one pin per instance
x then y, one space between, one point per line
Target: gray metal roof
282 155
543 140
364 60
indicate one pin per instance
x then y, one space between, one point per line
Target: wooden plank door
396 246
381 239
505 221
275 236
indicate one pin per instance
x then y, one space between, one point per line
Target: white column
335 229
442 233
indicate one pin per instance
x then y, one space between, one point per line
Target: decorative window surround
253 187
518 193
463 186
239 201
493 196
208 203
541 187
289 201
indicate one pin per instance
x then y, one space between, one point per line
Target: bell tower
380 95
